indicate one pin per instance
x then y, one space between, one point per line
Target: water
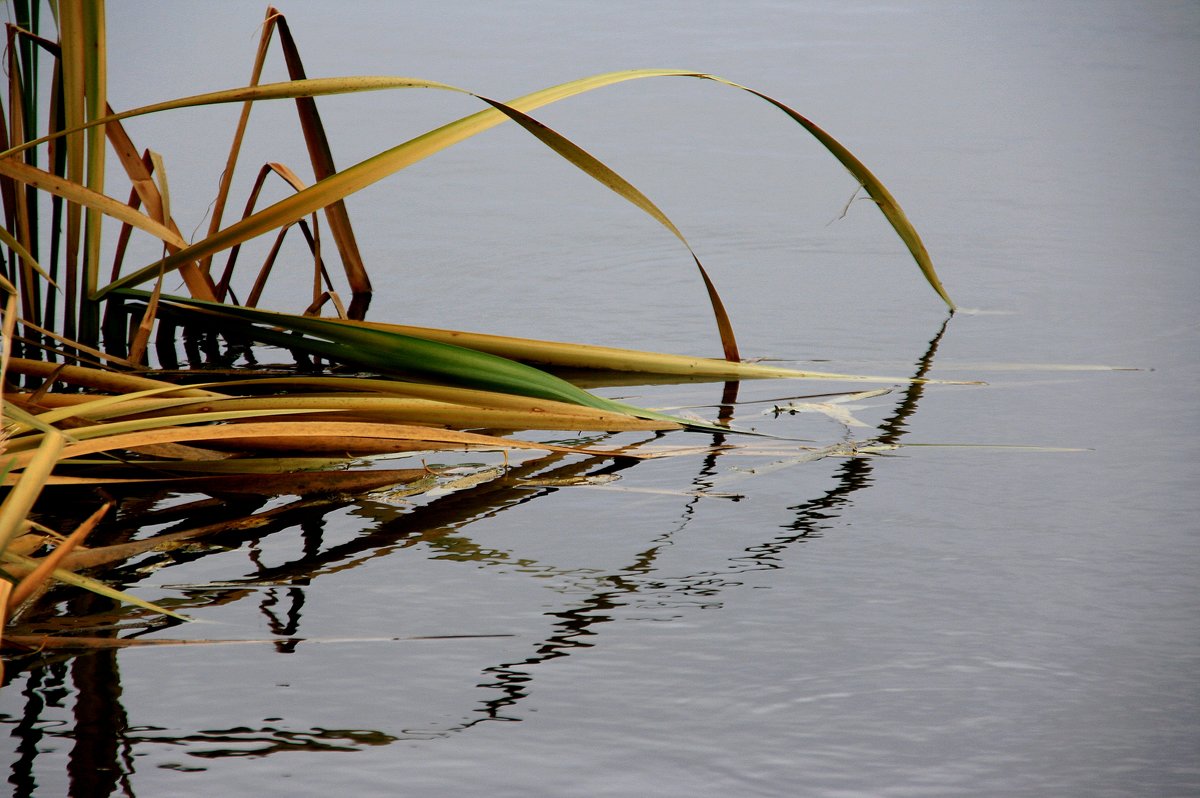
938 621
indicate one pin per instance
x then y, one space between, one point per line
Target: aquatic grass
348 422
83 410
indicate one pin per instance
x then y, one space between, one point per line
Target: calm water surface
937 620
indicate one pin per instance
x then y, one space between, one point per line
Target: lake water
963 618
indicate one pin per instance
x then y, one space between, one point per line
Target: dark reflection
264 740
574 628
43 690
284 621
101 759
102 740
855 472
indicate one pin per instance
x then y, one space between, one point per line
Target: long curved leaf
376 168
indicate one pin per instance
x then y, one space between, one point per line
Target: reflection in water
101 760
44 689
855 472
242 741
101 756
574 626
285 621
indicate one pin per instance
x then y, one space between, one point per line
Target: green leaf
394 353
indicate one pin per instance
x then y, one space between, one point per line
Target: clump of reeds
84 408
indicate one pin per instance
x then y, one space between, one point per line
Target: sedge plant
85 407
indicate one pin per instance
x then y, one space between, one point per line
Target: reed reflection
102 739
575 628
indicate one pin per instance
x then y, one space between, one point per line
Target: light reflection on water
958 621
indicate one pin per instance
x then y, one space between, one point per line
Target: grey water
1009 608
